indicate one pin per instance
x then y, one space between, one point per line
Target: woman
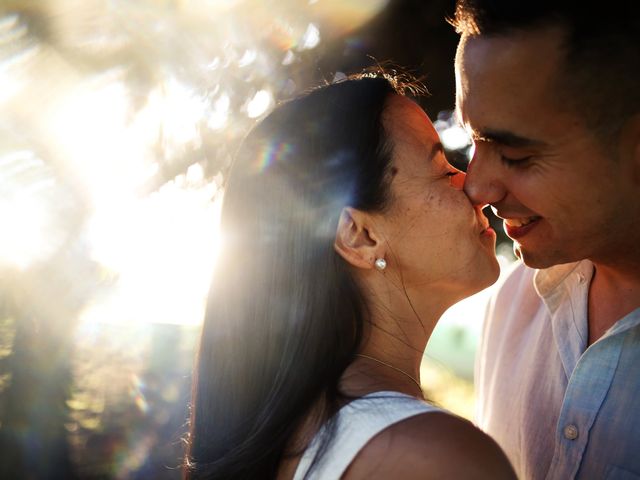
347 235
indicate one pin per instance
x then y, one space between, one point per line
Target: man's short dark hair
602 49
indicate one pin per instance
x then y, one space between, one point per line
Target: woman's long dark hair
284 317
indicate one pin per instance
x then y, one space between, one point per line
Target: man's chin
537 260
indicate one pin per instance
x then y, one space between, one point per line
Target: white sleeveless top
357 423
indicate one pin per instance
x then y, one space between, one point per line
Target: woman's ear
355 241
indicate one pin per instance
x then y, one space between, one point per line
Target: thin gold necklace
390 366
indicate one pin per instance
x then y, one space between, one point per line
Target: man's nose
483 184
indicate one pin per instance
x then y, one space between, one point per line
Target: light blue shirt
560 410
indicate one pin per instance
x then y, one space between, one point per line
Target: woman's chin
495 271
484 278
492 274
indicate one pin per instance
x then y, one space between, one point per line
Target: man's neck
613 293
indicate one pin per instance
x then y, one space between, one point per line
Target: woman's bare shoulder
431 445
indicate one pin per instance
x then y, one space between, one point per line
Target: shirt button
580 278
570 432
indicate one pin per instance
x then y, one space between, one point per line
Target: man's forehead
510 51
504 87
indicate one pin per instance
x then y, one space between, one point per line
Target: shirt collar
547 280
564 291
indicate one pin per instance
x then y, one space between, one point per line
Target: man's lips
520 226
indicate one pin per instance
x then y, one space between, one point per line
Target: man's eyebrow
506 138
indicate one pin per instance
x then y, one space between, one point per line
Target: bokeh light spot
260 103
311 38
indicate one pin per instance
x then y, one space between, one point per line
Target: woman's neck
390 357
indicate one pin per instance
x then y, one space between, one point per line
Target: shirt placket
586 391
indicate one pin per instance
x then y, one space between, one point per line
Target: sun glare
161 250
89 129
134 125
23 212
30 208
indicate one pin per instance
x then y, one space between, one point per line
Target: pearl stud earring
381 264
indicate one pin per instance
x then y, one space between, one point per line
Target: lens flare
271 154
137 393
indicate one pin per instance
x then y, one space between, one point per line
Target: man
550 94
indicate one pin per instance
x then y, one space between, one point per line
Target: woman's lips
519 227
488 233
486 230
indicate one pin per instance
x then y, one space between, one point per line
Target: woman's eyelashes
454 175
456 179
